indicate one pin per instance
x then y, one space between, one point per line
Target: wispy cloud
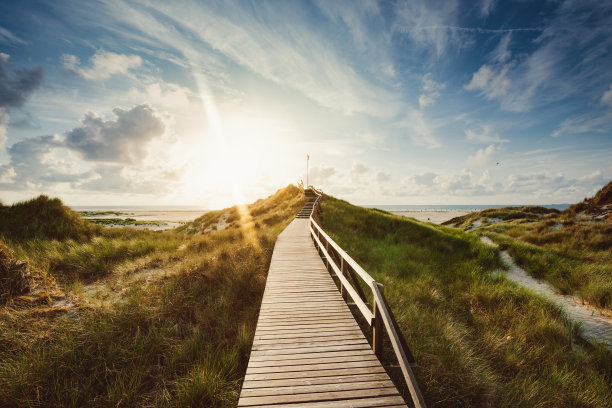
484 134
587 123
416 128
104 64
431 91
9 38
606 98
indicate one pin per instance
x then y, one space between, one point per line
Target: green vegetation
98 213
43 218
124 222
479 339
177 339
570 249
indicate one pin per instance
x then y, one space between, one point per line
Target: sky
211 103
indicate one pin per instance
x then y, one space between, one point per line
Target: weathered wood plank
308 350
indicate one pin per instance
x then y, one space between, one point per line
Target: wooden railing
346 268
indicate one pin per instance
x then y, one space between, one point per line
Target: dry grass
177 339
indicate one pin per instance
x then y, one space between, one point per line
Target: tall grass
479 339
180 340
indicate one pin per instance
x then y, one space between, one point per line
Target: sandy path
594 324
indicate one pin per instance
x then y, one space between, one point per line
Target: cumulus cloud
431 91
382 177
117 149
321 175
16 85
606 98
123 140
483 156
104 64
358 173
484 134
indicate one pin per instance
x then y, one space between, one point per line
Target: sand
435 216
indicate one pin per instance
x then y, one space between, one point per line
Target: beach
435 216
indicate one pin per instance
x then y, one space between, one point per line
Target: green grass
569 250
178 340
479 339
43 218
124 222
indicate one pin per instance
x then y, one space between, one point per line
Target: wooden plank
300 382
312 360
308 349
318 396
303 389
310 367
346 403
314 373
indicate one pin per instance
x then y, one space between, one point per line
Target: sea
467 207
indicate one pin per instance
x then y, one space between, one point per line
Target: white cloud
9 38
359 173
582 124
164 95
415 125
483 135
4 122
429 24
431 91
569 59
321 175
486 7
120 141
290 54
491 81
502 52
382 177
104 64
606 98
483 156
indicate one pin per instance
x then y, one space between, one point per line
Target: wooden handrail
380 315
363 308
402 358
362 273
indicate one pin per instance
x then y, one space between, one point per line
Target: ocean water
468 207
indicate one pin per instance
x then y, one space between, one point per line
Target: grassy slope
181 340
479 340
570 249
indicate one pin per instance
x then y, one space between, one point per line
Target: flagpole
307 158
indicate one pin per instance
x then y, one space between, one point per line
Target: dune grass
479 340
568 249
175 341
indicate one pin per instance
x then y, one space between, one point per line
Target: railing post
343 291
377 326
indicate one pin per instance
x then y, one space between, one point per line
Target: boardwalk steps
308 349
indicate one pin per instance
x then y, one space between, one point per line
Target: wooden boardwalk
308 349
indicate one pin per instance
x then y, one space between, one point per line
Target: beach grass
479 340
180 339
571 251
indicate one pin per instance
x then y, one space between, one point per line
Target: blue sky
397 102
